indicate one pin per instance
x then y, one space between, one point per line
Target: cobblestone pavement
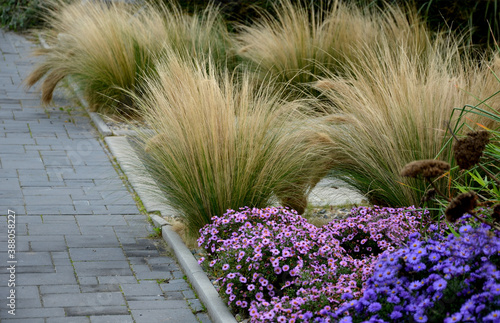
82 252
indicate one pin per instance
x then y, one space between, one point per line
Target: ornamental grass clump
297 43
441 279
108 48
220 142
273 265
396 105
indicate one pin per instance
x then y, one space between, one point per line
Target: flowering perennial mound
372 230
275 266
452 279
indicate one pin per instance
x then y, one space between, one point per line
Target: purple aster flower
453 318
374 307
492 317
346 319
393 299
465 229
225 267
434 257
413 258
396 315
419 317
495 289
439 284
416 284
346 296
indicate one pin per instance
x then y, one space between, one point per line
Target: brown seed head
463 203
427 168
429 195
469 149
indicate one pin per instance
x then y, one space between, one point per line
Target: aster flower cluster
275 266
452 279
372 230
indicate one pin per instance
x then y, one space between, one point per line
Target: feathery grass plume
302 40
220 143
107 48
468 150
428 168
461 204
290 45
397 102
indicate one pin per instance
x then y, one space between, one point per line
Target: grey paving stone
98 230
100 288
92 254
188 294
73 319
203 318
9 184
122 209
169 316
92 241
195 305
88 281
111 319
24 320
145 288
13 148
22 292
158 304
49 245
34 259
83 299
96 270
177 274
27 313
48 279
32 302
53 229
26 219
59 289
35 269
48 199
96 310
116 279
153 275
59 219
175 285
99 220
173 296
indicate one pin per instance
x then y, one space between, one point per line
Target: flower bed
440 279
275 266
